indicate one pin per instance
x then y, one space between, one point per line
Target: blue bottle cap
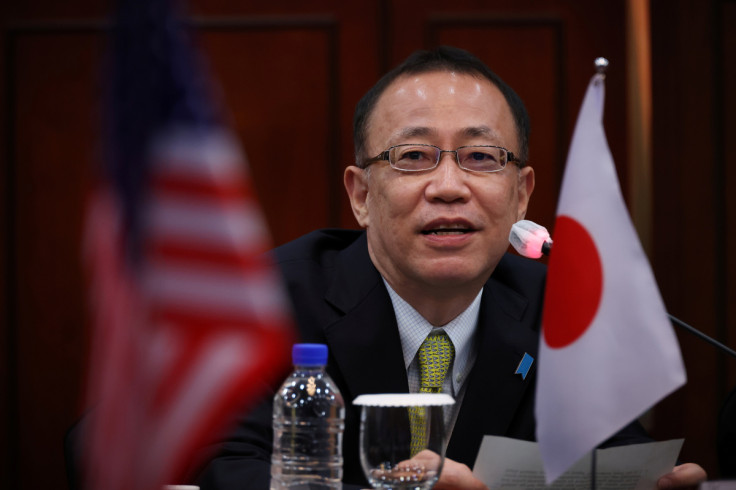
309 354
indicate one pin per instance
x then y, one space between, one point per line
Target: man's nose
448 179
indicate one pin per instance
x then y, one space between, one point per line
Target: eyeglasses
417 158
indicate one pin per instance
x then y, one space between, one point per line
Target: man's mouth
447 230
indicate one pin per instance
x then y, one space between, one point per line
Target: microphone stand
702 336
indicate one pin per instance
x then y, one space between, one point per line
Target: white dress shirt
414 328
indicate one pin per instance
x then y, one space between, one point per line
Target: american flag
189 316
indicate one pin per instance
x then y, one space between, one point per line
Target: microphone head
529 238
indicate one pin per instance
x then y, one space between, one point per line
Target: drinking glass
389 457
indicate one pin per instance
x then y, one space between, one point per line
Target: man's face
445 228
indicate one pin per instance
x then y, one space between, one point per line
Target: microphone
532 241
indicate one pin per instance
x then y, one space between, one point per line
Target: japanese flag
608 351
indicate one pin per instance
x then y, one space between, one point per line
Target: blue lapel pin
524 365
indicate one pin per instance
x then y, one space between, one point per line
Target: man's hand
454 476
687 475
458 476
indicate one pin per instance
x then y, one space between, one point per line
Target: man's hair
444 58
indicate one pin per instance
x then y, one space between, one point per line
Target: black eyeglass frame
384 156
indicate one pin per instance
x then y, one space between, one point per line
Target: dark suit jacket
339 299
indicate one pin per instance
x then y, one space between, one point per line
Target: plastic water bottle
308 422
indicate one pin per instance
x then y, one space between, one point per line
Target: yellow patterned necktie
435 356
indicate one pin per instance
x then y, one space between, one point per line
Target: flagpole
592 468
701 335
601 65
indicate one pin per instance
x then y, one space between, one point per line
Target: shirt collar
414 328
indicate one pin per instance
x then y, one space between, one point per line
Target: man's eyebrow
476 131
415 131
410 132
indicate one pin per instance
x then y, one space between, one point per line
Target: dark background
291 72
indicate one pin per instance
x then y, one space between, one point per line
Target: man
440 176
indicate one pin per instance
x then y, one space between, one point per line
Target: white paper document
718 485
511 464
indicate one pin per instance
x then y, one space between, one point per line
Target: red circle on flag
574 284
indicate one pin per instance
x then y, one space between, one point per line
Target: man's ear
356 183
525 189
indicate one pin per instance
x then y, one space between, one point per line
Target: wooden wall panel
56 136
728 137
692 61
8 411
284 107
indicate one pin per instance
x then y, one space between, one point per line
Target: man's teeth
447 232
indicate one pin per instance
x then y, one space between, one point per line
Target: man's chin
453 278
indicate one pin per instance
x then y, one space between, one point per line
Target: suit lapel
494 391
365 341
